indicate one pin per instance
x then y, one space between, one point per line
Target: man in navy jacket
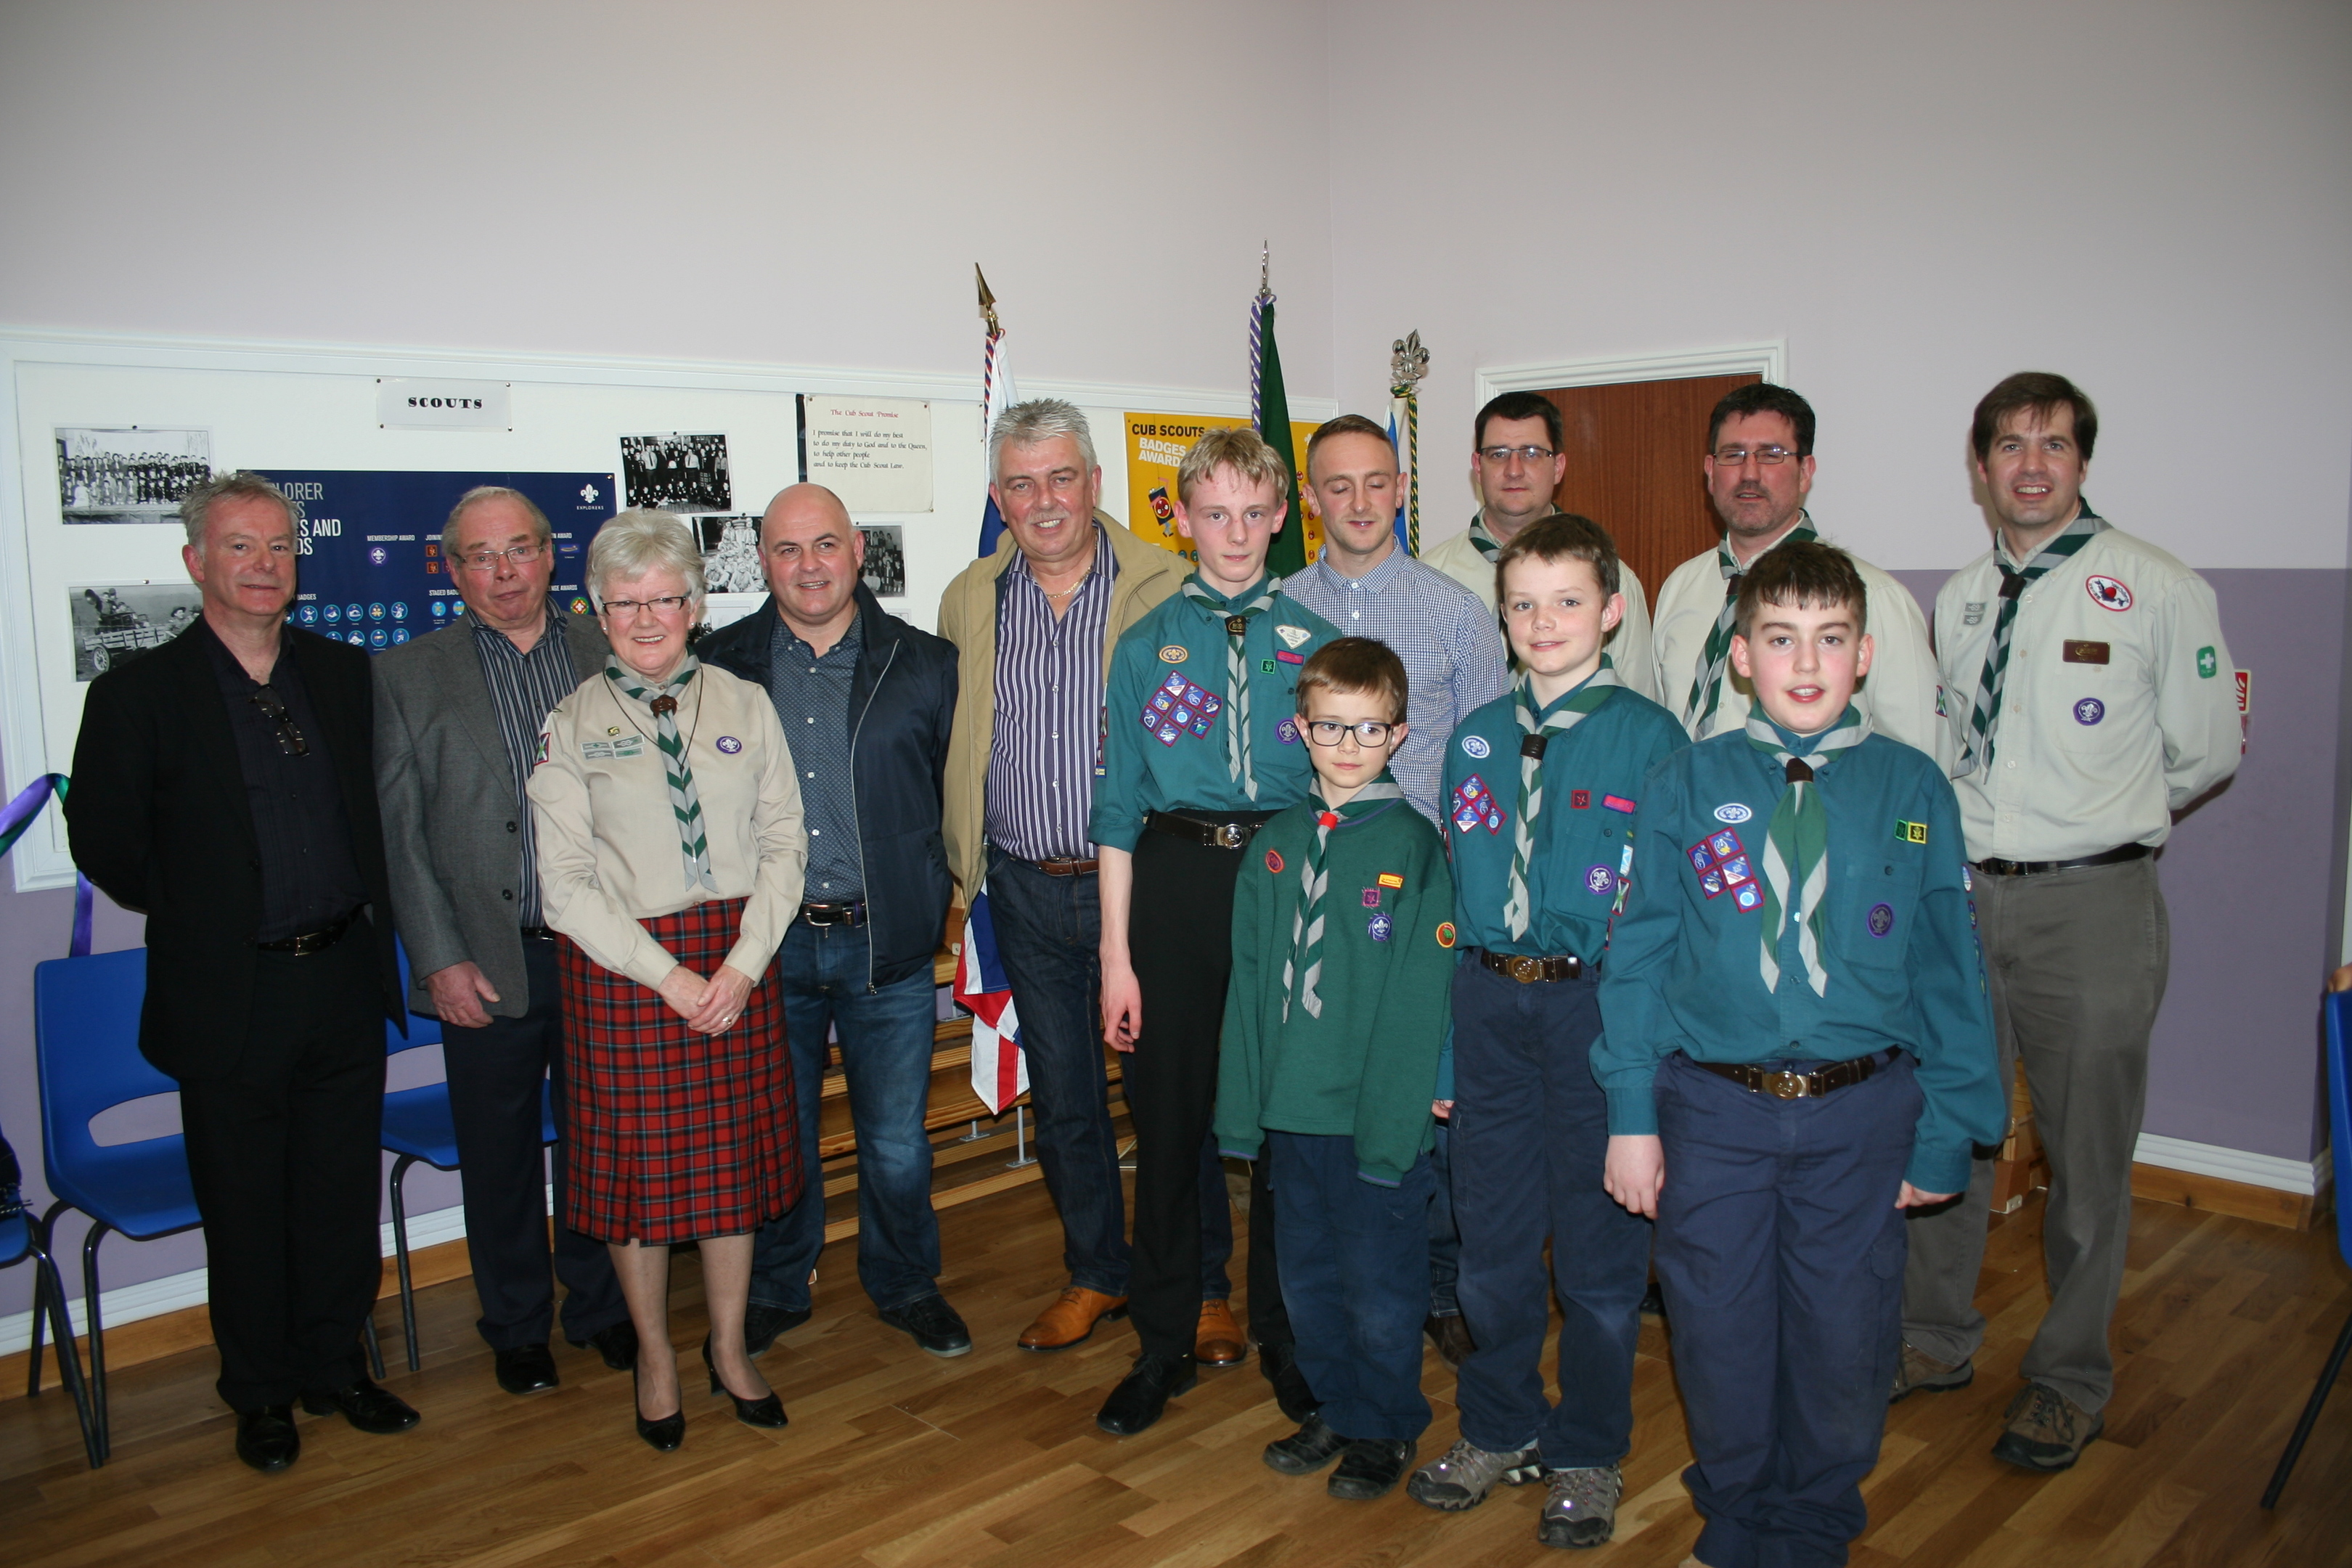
866 703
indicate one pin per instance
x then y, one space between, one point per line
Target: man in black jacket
222 785
866 703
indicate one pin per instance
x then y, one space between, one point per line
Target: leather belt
539 933
1781 1084
1528 971
311 942
2115 856
851 915
1232 834
1066 866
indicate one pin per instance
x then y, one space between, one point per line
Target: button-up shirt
524 689
1447 641
811 691
309 877
1045 752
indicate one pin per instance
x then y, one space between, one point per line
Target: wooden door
1633 450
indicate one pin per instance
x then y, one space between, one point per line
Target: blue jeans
1351 1253
1049 939
885 1053
1444 1235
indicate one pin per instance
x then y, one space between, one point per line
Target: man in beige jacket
1033 625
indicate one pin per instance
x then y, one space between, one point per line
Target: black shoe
762 1324
1145 1392
1279 1363
934 1324
266 1438
365 1404
1450 1334
767 1411
525 1369
1307 1451
1654 1302
616 1342
664 1434
1371 1467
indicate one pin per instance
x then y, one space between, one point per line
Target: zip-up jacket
901 711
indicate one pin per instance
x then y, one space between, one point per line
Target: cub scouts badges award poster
372 571
1156 444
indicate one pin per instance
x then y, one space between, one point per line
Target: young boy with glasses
1335 1016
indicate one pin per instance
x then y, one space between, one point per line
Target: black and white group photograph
130 475
886 558
677 473
111 625
731 553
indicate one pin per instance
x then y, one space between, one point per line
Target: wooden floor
897 1460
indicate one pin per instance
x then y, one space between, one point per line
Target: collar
554 626
2086 522
1104 566
1803 746
1217 604
851 640
1548 709
225 657
1376 581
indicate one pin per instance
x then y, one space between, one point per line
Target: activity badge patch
1472 804
1476 746
1174 653
1721 864
1446 933
2107 592
2207 664
1910 831
612 751
1179 707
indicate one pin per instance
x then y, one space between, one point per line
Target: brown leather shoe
1070 1320
1218 1340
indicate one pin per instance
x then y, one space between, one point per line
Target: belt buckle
1787 1085
1228 836
1526 970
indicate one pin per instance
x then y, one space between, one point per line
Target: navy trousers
1530 1138
1352 1257
1781 1252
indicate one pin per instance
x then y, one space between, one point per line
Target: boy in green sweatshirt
1335 1014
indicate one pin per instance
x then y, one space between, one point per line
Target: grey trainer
2047 1431
1467 1473
1581 1506
1917 1372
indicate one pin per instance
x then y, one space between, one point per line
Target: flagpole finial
1408 362
1265 269
987 299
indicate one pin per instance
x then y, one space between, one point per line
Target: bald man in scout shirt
2092 697
1760 469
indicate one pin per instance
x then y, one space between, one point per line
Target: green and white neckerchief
1482 541
1797 845
693 846
1707 685
1976 744
1533 739
1237 685
1303 967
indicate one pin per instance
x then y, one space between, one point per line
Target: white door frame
1769 360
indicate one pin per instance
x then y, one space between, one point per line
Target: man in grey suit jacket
458 718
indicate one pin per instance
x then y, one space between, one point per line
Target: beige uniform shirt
1899 692
608 849
1628 647
2119 705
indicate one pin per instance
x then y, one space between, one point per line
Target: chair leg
400 1255
41 1243
374 1349
48 1286
2310 1417
99 1418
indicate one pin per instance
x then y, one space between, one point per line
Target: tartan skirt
670 1135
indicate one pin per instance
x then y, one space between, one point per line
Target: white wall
2152 196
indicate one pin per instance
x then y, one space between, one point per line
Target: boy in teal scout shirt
1334 1019
1201 746
1799 1048
1541 785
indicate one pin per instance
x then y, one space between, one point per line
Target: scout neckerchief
1976 744
1533 739
1305 965
1237 619
1797 844
1482 541
693 846
1706 686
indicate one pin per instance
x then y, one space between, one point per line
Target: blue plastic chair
2338 1011
86 1044
418 1126
19 1239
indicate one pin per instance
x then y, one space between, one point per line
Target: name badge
2075 652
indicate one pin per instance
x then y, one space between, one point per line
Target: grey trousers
2078 961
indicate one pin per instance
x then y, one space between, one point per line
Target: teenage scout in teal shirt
1171 740
1583 833
1896 953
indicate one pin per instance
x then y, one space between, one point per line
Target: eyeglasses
1498 455
1327 732
487 560
666 605
1770 457
289 737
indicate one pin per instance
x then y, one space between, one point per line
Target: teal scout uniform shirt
1172 756
1366 1069
1899 942
1592 780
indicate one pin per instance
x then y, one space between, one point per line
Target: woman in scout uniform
670 856
1203 745
1541 787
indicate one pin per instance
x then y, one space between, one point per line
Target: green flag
1289 553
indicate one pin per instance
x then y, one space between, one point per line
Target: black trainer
933 1324
1371 1467
762 1324
1307 1451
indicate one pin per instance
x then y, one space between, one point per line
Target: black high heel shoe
766 1412
664 1434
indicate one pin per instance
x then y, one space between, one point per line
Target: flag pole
1408 362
